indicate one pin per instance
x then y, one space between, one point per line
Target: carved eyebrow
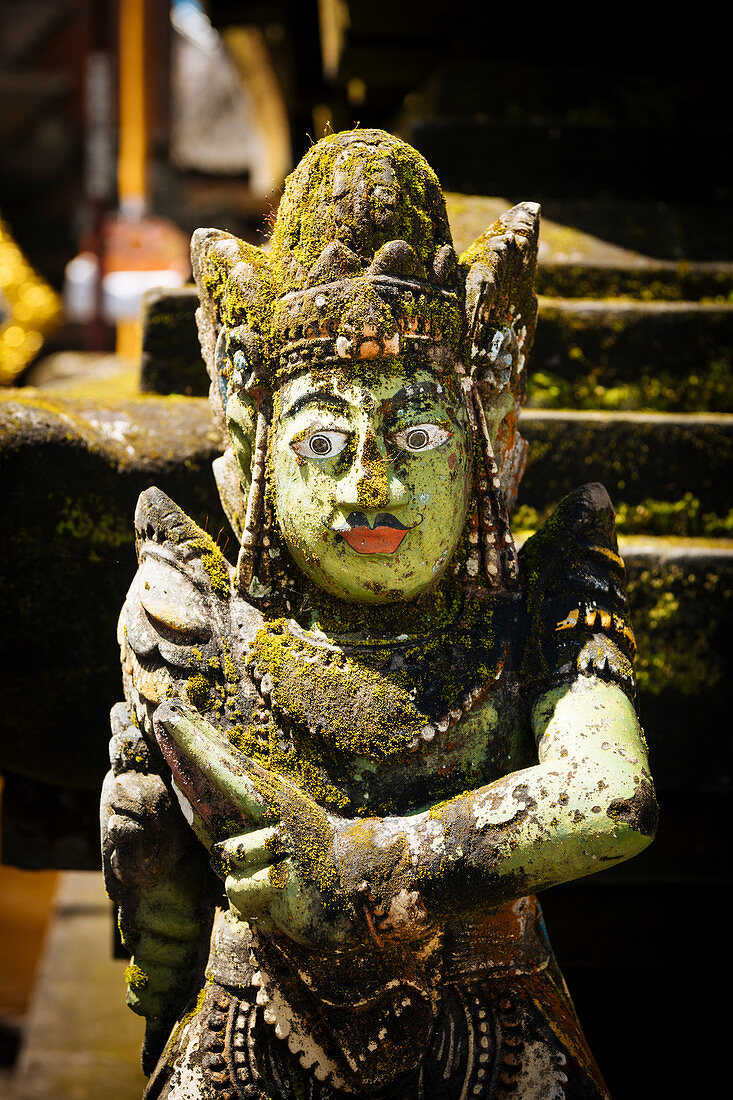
330 400
408 393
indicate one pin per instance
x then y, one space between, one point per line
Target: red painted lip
374 540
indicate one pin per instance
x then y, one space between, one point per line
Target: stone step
611 249
681 601
646 279
171 355
639 457
621 340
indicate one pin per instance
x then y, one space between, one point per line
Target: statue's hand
142 831
269 882
280 866
213 781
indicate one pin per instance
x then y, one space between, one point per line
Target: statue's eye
422 437
320 445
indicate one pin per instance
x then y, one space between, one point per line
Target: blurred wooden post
132 169
132 166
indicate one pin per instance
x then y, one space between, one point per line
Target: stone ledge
636 455
620 339
614 249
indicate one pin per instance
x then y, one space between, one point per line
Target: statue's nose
371 482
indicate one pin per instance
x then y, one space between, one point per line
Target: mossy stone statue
345 766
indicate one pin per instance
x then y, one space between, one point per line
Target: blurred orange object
147 243
139 254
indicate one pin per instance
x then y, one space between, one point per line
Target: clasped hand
280 870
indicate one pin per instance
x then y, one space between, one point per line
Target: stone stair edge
641 306
56 401
614 416
663 548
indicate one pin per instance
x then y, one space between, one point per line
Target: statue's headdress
362 267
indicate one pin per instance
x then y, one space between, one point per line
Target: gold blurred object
29 309
334 21
129 342
248 50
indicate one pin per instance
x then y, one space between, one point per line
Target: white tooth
262 998
270 1015
427 733
282 1029
256 979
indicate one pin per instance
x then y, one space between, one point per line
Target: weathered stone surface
171 356
637 456
71 473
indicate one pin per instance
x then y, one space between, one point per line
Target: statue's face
371 481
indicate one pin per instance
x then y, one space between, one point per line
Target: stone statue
345 767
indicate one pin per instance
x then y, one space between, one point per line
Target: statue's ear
235 293
500 270
242 426
233 470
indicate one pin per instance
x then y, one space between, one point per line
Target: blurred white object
122 291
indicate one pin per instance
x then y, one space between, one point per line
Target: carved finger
251 851
211 774
254 894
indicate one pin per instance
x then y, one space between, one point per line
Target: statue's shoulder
574 580
184 631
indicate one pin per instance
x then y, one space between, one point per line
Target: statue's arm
157 879
589 803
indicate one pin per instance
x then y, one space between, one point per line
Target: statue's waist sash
367 1016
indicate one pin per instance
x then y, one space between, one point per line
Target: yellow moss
136 978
